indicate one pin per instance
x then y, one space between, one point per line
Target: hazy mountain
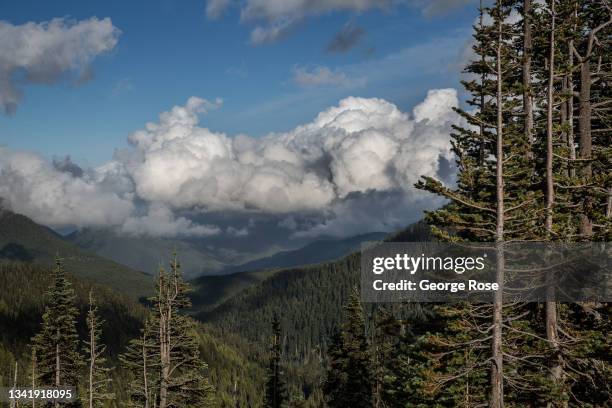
313 253
212 255
146 253
311 295
231 300
21 239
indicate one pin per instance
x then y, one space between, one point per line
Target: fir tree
182 374
167 371
141 360
385 346
495 200
349 376
57 343
276 389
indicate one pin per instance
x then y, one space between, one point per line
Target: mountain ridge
198 259
24 240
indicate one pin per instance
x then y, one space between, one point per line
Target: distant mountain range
305 287
198 258
309 299
313 253
146 253
23 240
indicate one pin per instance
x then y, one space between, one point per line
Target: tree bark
497 381
163 342
483 77
33 374
14 400
92 357
609 206
570 113
527 97
57 368
585 141
144 368
552 323
584 120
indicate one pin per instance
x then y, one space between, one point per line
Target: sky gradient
168 51
229 118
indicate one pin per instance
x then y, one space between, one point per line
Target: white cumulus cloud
357 146
339 165
32 186
44 52
160 221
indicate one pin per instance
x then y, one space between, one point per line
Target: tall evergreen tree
141 360
386 345
57 343
182 379
495 200
165 361
276 388
349 377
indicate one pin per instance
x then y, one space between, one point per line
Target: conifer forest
531 147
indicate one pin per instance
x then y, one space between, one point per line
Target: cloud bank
44 53
353 159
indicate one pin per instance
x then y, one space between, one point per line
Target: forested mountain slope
22 301
21 239
309 303
307 299
201 257
146 253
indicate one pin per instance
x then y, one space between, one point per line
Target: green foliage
237 380
98 381
22 240
349 377
170 350
57 343
276 388
311 300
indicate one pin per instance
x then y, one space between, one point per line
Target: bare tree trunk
163 388
550 191
584 128
552 324
34 369
570 114
609 207
584 120
144 368
527 97
163 341
92 356
497 381
57 368
481 153
14 400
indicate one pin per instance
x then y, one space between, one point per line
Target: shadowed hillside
21 239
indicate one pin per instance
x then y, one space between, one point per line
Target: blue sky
169 51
